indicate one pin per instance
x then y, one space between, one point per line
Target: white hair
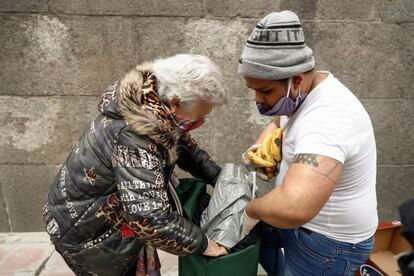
189 78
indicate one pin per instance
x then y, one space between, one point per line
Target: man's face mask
284 106
185 124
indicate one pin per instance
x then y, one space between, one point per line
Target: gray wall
56 57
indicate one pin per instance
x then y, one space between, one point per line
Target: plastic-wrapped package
222 220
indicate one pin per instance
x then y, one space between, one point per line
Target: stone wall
57 56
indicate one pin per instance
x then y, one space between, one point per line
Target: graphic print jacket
111 195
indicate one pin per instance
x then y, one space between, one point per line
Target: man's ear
297 81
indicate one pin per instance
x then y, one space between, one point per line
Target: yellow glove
268 155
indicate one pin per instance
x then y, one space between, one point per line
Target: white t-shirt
332 122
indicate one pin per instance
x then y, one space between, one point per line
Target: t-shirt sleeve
329 132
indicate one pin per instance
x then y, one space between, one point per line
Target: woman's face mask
191 115
185 124
284 106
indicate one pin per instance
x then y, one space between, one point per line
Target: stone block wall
57 56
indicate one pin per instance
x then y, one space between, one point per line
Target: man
324 202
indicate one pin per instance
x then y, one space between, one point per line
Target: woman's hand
214 250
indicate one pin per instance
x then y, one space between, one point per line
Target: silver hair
189 78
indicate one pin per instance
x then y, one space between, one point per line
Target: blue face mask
284 106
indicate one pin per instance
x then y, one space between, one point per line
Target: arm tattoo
305 158
322 165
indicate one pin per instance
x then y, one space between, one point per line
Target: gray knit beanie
276 49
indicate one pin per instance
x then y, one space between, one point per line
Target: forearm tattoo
322 165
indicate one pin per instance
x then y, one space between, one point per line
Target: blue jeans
310 253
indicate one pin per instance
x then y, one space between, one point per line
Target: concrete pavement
28 254
31 253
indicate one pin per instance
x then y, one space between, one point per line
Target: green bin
241 263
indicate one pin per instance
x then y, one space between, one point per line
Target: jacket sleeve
143 198
196 161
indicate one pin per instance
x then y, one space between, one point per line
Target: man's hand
266 156
260 171
248 223
214 250
246 161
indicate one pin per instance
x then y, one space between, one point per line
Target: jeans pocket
315 245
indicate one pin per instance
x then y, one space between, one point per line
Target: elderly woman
112 201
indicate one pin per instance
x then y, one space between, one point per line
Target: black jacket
111 195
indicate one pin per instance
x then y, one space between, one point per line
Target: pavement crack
42 266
